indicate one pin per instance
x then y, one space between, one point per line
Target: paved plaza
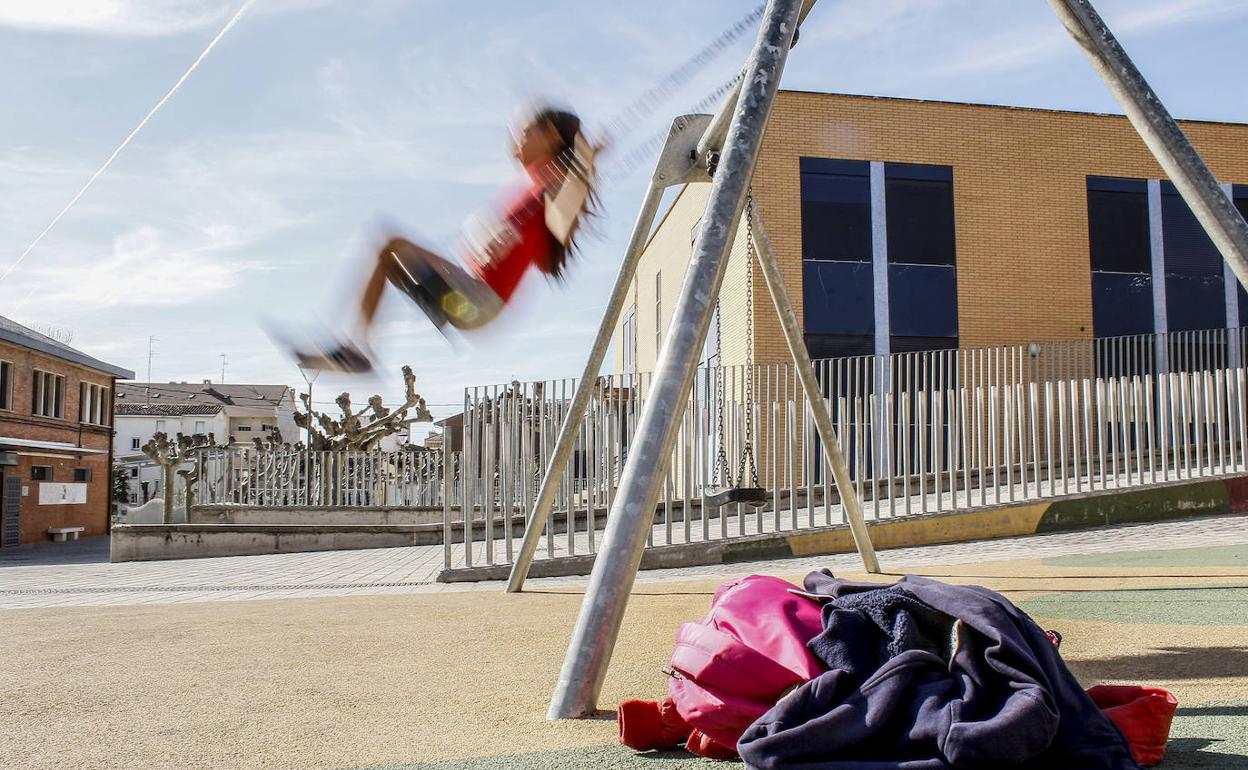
359 660
79 574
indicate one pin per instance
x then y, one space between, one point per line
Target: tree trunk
170 477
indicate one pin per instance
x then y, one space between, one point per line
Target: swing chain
721 461
747 452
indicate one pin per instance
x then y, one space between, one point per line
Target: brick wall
1020 198
1020 208
19 422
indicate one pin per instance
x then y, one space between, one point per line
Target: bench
61 534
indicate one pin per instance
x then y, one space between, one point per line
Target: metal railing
319 478
923 432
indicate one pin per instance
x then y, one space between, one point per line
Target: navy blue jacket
925 675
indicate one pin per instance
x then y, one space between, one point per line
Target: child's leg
444 290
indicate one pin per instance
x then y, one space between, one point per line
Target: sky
256 192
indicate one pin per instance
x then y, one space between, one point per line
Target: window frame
658 312
40 394
93 403
48 475
6 385
84 473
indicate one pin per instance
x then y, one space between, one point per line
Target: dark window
1121 256
1195 289
1122 304
922 301
838 298
922 277
134 472
836 210
6 385
1118 232
41 473
82 474
839 345
898 344
919 214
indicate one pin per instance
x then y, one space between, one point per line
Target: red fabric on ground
1143 714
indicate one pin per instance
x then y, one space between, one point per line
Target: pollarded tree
171 455
367 427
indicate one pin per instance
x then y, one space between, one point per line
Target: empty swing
720 494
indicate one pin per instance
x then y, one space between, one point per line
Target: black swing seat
755 497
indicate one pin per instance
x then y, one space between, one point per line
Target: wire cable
168 94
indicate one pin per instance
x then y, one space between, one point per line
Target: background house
56 417
242 412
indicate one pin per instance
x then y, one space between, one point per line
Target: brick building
56 417
905 225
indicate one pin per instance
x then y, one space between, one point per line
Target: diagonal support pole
1195 182
814 394
632 512
675 166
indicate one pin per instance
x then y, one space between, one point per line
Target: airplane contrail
211 44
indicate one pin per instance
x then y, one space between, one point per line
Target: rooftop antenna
150 342
222 368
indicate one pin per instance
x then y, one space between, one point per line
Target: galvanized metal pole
713 139
814 394
632 513
1195 182
672 168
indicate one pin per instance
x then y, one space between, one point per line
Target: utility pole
222 368
150 341
309 377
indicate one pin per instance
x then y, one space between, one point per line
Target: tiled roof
166 410
198 394
12 331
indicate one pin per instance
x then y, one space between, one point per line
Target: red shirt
518 240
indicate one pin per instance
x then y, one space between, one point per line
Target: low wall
149 542
1160 502
252 514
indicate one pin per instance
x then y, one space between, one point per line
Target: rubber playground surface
461 679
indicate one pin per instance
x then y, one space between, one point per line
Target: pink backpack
749 651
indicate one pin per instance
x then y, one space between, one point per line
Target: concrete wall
1175 500
147 542
239 514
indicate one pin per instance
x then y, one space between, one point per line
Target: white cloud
1033 44
131 18
147 268
113 17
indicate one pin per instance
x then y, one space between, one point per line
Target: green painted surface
1205 556
1205 737
1209 737
604 757
1206 498
1190 606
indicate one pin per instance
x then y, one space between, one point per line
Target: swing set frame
722 150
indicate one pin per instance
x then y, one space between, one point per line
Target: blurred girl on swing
536 227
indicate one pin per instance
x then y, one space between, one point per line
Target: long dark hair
568 126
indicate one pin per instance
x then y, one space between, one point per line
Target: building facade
56 424
905 225
240 412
